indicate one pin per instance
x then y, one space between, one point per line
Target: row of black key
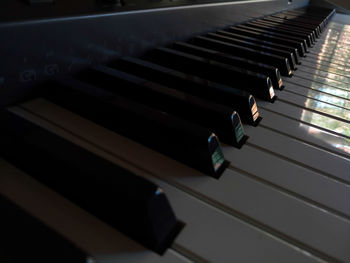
173 99
130 203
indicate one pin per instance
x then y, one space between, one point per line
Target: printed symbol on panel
27 75
51 69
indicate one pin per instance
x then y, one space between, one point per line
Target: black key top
291 31
287 27
308 21
313 11
259 85
316 15
263 30
296 24
237 99
284 26
130 203
272 72
300 23
260 42
263 57
306 18
220 119
186 142
292 24
266 37
25 239
262 48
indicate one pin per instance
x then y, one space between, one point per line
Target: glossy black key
271 32
270 71
266 37
25 239
130 203
277 23
259 85
309 24
218 118
306 18
262 48
265 33
300 23
258 41
274 23
284 26
293 24
184 141
263 57
288 33
237 99
318 15
289 30
308 21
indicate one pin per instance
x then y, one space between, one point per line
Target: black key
317 28
281 25
259 85
265 33
300 23
288 33
268 31
308 21
25 239
272 72
262 48
263 57
266 37
318 14
220 119
291 23
237 99
284 26
186 142
313 11
286 29
306 18
321 16
130 203
260 42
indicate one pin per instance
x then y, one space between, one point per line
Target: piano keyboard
284 195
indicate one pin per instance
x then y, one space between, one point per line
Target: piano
282 191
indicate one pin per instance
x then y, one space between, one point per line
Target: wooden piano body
285 196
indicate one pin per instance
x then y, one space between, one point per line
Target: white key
301 153
309 118
322 80
309 84
210 233
306 133
331 111
294 178
324 94
234 192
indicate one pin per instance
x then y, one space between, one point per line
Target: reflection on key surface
328 81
